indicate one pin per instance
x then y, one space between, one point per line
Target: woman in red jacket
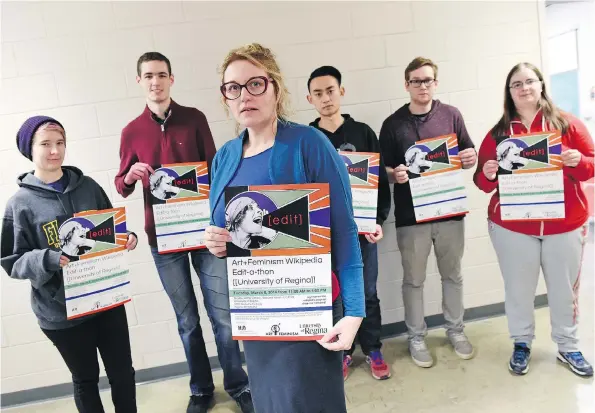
525 247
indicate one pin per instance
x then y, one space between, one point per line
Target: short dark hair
325 71
420 62
152 56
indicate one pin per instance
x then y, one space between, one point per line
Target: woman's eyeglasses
256 86
528 82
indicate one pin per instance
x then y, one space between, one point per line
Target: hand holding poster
96 279
362 168
279 263
530 177
180 199
436 178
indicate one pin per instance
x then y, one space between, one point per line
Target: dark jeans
78 345
174 271
368 334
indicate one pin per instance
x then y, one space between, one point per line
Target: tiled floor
481 385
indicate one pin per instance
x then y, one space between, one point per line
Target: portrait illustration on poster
162 184
416 159
244 217
73 237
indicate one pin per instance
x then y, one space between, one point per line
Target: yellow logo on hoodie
51 233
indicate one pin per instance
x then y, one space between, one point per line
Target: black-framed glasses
418 82
528 82
255 86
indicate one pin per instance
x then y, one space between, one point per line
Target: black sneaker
200 404
244 400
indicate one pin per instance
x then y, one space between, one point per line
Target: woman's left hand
345 330
131 243
571 157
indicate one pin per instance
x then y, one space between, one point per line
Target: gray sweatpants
415 243
520 257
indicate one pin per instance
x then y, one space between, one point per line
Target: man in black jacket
325 93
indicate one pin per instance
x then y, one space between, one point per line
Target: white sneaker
420 353
461 344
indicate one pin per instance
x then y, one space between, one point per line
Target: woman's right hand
216 240
490 169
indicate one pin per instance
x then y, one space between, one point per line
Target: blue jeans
368 334
174 272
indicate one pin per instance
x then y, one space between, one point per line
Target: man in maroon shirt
169 133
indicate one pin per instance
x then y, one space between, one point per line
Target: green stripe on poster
459 188
190 221
107 277
534 193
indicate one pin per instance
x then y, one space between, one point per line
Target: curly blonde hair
263 58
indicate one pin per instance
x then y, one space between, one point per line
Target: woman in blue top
287 377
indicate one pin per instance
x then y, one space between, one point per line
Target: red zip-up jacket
576 137
185 136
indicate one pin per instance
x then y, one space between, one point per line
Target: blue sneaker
519 362
576 362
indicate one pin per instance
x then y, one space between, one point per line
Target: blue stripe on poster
178 233
440 202
97 292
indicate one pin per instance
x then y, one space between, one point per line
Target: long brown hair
550 112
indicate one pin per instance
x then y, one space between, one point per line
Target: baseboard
181 369
471 314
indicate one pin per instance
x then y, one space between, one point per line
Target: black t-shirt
61 184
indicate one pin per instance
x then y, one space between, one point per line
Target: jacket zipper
579 198
528 130
163 140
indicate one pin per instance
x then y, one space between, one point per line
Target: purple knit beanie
27 131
